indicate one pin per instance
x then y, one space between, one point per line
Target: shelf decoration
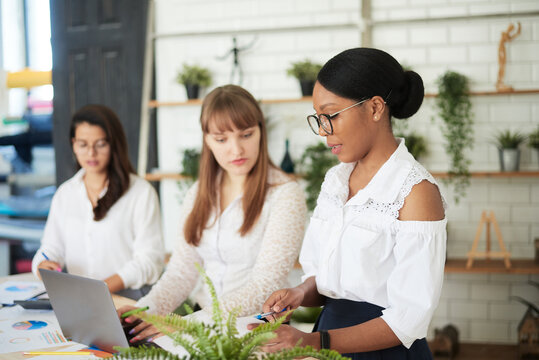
487 221
507 143
194 77
306 72
455 110
506 37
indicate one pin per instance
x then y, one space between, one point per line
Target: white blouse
245 270
359 250
128 241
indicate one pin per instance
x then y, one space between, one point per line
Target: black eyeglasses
324 120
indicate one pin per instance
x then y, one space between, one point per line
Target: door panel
98 53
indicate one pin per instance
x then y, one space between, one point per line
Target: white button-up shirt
244 270
358 249
127 242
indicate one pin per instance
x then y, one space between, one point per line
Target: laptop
85 310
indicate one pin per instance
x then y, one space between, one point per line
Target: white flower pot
509 159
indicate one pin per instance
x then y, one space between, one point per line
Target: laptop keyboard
145 342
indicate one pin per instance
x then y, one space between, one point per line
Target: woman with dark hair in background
242 221
104 222
374 251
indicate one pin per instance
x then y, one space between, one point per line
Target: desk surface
118 301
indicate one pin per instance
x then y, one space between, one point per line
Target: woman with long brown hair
105 221
243 220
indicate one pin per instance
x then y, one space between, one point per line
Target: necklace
93 192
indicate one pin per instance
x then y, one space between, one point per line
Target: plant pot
509 159
306 87
192 91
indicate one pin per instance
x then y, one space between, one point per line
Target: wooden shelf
492 174
469 351
494 93
156 104
518 266
486 174
163 176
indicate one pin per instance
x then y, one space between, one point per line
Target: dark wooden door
98 53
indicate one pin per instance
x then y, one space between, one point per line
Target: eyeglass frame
96 146
329 117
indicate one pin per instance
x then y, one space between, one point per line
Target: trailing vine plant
455 110
219 340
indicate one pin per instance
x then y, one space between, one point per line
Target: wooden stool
487 220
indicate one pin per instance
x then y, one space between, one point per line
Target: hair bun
410 96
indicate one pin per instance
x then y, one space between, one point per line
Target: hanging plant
455 110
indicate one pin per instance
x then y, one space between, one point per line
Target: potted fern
219 340
533 140
455 111
306 72
193 77
507 143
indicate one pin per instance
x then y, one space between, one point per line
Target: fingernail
132 331
128 320
150 339
59 269
133 339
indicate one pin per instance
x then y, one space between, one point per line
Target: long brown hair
229 107
119 166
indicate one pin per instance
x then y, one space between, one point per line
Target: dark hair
229 107
362 73
119 166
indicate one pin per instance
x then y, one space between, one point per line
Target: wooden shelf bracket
486 221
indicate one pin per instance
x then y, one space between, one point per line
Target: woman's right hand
49 265
142 330
290 299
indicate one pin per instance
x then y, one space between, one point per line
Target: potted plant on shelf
415 143
533 140
507 143
455 111
317 160
193 77
306 72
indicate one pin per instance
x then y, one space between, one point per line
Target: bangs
230 113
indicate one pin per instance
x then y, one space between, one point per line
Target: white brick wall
431 36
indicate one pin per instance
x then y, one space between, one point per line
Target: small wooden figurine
528 331
446 341
507 36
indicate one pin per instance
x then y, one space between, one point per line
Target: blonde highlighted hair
228 108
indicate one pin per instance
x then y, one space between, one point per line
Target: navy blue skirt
339 313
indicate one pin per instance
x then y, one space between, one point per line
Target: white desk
29 277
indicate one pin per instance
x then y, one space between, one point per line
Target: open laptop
85 310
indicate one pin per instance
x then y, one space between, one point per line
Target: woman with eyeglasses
243 220
104 222
374 251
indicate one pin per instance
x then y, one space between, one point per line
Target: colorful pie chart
29 325
21 288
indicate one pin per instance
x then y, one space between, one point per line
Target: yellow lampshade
28 78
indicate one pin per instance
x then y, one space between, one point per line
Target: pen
263 315
133 312
57 353
47 258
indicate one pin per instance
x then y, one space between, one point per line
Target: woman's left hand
287 337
